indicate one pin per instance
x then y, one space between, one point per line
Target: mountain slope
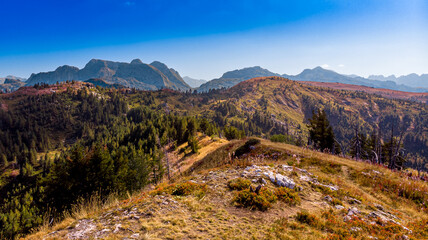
387 93
231 78
171 74
104 84
135 75
291 103
337 198
61 74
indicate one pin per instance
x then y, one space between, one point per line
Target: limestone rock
339 207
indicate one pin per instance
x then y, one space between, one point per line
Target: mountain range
317 74
194 83
413 80
135 74
157 75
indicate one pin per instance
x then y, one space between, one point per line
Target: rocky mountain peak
136 61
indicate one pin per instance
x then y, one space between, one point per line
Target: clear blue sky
203 39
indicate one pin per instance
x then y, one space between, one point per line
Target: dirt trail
180 162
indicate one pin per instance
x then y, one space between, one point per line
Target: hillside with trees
64 146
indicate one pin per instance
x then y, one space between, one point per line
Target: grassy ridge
209 201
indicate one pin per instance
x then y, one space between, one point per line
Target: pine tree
321 133
193 143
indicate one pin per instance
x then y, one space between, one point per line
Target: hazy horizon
203 40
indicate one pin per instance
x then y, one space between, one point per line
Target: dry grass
213 216
86 209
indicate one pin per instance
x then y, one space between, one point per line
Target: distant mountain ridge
135 74
2 79
231 78
413 79
317 74
320 74
157 75
194 83
11 84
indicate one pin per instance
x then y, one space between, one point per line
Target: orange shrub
239 184
248 199
289 196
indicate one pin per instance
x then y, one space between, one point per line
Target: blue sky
203 39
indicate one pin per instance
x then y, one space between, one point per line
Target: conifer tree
321 134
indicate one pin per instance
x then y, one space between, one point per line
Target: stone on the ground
328 198
135 236
380 207
339 207
353 201
353 211
284 181
83 228
305 178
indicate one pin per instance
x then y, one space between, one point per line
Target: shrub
289 196
248 199
246 148
409 189
182 189
420 228
186 188
336 202
282 138
239 184
307 218
330 168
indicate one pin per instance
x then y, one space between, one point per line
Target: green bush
289 196
282 138
248 199
239 184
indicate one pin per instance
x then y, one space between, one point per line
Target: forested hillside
61 147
